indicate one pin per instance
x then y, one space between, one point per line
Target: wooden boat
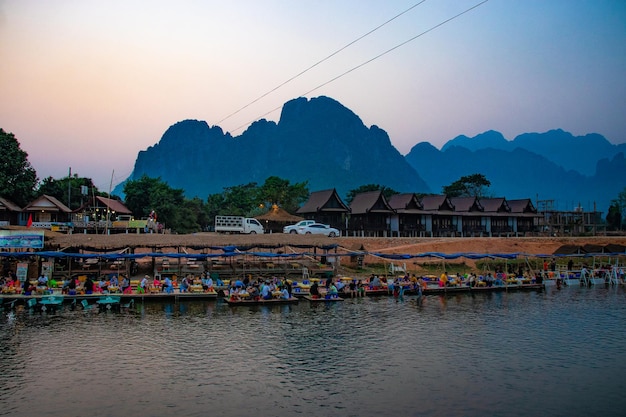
259 301
321 299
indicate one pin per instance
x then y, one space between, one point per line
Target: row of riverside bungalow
406 215
46 212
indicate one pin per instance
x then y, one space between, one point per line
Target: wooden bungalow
326 207
49 213
497 216
9 213
440 220
525 216
101 213
370 215
407 219
469 216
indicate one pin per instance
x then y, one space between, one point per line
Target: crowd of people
275 287
260 289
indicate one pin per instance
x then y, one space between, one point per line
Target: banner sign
20 239
22 271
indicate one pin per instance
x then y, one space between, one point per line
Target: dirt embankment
531 245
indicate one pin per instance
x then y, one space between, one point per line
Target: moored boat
314 299
259 301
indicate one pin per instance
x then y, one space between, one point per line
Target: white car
318 229
294 227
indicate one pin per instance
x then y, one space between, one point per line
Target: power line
370 60
320 61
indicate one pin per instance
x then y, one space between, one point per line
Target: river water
552 353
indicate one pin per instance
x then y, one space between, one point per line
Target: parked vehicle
237 224
318 229
293 228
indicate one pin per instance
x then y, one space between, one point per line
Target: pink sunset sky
88 84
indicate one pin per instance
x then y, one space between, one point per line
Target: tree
241 200
616 216
474 185
279 191
387 192
147 194
214 205
58 188
17 177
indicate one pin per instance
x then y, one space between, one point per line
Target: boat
259 301
322 299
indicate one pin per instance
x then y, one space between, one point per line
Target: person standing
143 285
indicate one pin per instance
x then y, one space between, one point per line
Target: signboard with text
21 239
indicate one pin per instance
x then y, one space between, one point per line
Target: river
550 353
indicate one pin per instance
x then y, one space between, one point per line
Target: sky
87 84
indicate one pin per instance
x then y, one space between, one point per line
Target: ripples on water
556 353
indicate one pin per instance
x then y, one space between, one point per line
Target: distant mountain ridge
578 153
520 173
320 141
316 140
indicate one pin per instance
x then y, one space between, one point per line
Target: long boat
322 299
260 301
435 290
66 298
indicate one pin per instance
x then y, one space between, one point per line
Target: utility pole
69 188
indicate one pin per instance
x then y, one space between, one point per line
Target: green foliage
251 200
387 192
58 188
239 200
616 217
17 177
147 194
474 185
280 192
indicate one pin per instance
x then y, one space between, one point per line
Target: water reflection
551 353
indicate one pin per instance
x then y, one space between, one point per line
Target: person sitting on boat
126 288
71 286
167 286
103 285
185 284
375 282
207 283
340 285
443 279
489 279
414 281
352 288
266 291
42 282
284 294
360 289
253 291
28 288
156 284
498 281
332 291
88 285
314 290
114 282
233 292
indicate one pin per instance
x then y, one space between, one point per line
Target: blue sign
20 239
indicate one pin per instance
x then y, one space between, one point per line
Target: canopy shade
277 214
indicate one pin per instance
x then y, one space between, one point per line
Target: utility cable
319 62
370 60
